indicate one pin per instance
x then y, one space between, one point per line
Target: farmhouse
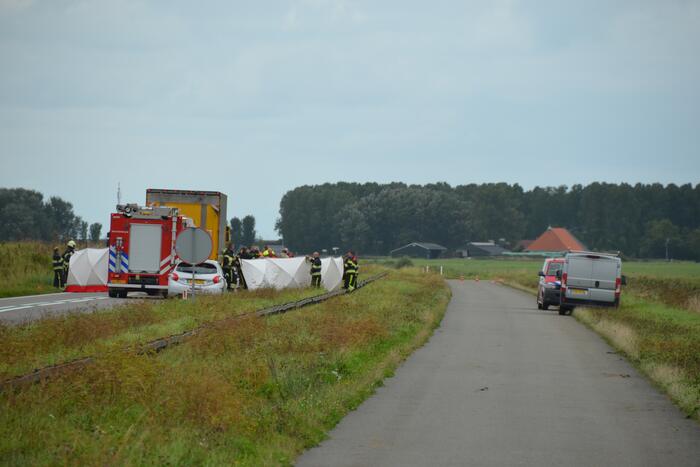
555 239
419 250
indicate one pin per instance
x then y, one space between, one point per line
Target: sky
256 98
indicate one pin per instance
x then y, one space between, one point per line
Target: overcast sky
256 98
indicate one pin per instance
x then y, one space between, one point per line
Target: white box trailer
591 279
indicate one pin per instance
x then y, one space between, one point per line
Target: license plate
199 281
118 281
579 291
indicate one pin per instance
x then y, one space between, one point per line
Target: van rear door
604 272
591 277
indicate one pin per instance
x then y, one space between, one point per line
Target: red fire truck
142 249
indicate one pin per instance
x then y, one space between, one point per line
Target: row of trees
376 218
243 230
25 215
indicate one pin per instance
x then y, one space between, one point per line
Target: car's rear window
203 268
553 268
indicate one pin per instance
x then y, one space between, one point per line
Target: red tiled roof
556 239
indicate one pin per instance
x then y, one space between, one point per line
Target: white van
590 279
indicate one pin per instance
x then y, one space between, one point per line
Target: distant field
454 267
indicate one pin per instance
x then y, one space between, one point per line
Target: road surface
18 310
503 384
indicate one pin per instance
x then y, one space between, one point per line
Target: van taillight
563 279
618 284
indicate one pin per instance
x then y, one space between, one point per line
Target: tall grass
25 268
250 392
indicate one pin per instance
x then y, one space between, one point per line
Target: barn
419 250
478 249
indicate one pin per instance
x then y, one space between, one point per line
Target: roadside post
193 246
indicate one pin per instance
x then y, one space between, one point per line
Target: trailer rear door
144 248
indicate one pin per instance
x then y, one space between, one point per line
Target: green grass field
657 326
250 392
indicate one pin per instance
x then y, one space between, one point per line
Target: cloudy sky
256 98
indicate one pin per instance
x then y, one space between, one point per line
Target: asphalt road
18 310
503 384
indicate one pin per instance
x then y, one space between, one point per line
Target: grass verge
62 338
253 392
661 341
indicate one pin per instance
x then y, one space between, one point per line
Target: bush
403 262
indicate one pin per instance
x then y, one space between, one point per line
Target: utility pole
119 193
667 240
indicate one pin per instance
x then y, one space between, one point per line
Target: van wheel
122 294
112 293
545 306
562 310
539 305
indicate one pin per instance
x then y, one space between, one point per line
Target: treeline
639 220
24 215
243 230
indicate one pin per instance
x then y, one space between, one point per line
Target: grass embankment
62 338
251 392
657 327
25 269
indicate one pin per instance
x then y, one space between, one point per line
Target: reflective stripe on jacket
57 262
228 260
316 267
350 266
66 258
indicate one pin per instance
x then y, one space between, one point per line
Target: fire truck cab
142 249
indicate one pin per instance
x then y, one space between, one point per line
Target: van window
553 268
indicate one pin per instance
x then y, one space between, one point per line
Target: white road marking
56 302
31 296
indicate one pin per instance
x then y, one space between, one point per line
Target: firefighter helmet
71 244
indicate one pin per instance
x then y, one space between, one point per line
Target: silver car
208 278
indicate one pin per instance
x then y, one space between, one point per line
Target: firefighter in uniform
228 267
315 261
70 250
350 271
57 269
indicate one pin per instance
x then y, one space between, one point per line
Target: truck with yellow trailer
207 209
